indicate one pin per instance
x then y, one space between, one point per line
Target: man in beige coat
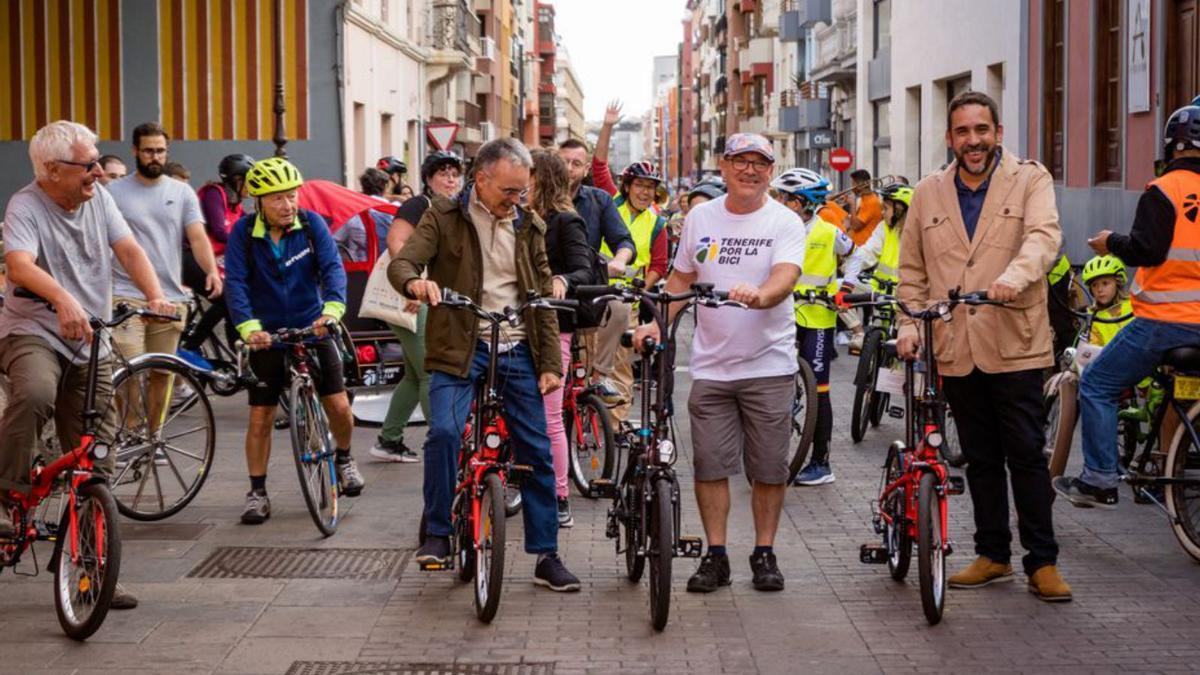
988 222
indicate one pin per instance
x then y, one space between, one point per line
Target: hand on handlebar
163 307
73 322
1001 292
322 325
649 330
425 291
559 291
908 346
747 294
259 339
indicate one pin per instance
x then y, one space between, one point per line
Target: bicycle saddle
1183 358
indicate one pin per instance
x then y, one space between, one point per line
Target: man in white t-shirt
743 361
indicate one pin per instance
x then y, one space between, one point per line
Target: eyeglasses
741 164
86 166
519 193
154 152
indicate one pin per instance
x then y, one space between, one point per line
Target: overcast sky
613 45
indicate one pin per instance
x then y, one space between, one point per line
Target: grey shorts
750 417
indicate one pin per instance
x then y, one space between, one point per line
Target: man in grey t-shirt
160 212
61 233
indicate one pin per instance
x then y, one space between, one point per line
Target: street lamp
280 137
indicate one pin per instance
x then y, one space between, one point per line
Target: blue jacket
596 208
291 290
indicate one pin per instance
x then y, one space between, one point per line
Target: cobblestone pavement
1137 595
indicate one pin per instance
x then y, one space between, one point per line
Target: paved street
1137 595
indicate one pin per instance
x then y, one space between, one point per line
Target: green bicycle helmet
898 192
271 175
1104 266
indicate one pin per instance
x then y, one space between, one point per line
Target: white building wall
980 40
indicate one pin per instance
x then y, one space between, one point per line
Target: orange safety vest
1170 292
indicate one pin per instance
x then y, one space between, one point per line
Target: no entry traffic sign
840 159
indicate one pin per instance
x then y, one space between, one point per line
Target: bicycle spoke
184 433
175 470
183 452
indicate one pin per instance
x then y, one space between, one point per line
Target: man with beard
604 228
988 221
161 212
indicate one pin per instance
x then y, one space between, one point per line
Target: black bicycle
645 514
870 403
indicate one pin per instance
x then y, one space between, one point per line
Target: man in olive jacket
485 246
989 222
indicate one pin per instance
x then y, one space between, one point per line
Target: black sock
760 550
718 551
341 456
258 483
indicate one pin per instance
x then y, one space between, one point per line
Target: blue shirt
970 202
603 222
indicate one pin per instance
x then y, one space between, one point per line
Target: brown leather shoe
981 572
1048 585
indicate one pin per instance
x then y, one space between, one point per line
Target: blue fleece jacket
286 286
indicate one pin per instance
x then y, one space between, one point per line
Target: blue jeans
450 401
1132 355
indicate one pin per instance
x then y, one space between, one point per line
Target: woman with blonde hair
570 260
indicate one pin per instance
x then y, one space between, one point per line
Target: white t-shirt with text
723 249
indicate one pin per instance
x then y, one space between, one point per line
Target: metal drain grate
369 668
245 562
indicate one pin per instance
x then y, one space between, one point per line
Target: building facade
568 99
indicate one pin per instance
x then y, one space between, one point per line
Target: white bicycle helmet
804 183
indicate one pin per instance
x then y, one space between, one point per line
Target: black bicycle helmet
706 188
1183 130
435 162
391 165
234 166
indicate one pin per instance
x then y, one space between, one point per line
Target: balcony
836 51
802 114
483 84
469 114
453 33
487 49
758 51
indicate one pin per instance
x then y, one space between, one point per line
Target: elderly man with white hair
61 233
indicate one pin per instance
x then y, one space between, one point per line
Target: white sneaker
842 339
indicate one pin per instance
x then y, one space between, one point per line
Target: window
1054 56
954 87
360 134
385 133
1183 53
883 26
384 11
883 137
914 150
1107 107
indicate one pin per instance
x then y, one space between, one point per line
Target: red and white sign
840 159
442 135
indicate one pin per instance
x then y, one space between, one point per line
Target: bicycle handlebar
455 300
937 309
701 294
124 312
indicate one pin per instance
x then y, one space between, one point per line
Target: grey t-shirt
74 248
157 214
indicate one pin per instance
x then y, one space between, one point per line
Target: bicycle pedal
873 554
955 485
519 473
878 525
896 412
602 488
436 566
689 547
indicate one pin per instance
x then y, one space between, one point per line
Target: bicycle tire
105 554
661 552
631 527
1183 458
312 450
464 531
1062 414
864 389
142 451
590 445
931 559
489 557
804 418
896 536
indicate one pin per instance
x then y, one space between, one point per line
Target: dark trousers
999 418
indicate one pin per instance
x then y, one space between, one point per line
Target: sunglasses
86 166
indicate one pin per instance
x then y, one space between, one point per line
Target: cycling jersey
219 215
824 244
1103 333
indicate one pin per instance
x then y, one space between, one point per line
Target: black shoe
123 599
435 551
394 451
1085 496
711 575
553 574
767 576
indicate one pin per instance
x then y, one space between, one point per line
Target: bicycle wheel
864 385
87 561
464 531
312 449
164 451
931 559
512 500
1183 499
804 418
661 553
1062 411
590 442
489 557
631 531
896 536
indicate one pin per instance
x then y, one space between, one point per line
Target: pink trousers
554 421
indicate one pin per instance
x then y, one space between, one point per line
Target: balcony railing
469 114
837 43
454 26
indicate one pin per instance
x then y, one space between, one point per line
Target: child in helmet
1105 278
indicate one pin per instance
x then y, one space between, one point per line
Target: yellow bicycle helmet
1104 266
898 192
271 175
